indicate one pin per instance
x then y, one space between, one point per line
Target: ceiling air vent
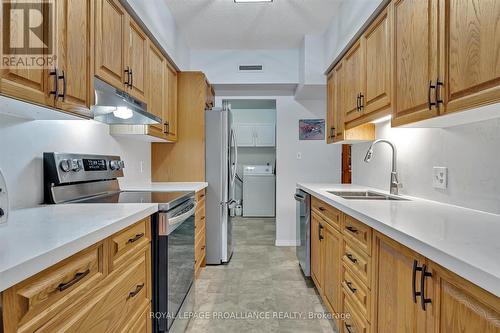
250 68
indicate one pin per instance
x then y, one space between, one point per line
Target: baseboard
286 242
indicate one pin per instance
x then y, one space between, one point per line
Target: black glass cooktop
165 200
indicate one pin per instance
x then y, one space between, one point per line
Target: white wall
319 163
23 142
351 15
221 66
157 17
470 152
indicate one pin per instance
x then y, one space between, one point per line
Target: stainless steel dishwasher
303 218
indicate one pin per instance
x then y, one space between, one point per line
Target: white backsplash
23 142
470 152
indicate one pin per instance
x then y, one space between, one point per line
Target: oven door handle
182 217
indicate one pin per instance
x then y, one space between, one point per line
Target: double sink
365 195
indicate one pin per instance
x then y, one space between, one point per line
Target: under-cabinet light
251 1
381 120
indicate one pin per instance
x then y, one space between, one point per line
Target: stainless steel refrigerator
221 164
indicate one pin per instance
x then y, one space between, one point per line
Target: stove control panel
62 168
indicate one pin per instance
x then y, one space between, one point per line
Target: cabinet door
332 244
137 53
338 100
415 60
27 84
157 89
316 252
245 135
377 70
471 53
111 21
330 100
73 53
396 309
353 62
265 135
460 306
171 103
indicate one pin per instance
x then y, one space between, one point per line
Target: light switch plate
440 177
299 155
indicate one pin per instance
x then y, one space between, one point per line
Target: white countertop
36 238
164 187
465 241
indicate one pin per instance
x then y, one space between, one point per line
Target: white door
265 135
245 135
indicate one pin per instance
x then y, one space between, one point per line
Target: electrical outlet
440 177
299 155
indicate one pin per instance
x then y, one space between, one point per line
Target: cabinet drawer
357 292
355 322
200 217
359 234
200 195
358 262
332 215
112 305
128 241
32 302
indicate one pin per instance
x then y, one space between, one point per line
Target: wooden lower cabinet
332 243
200 230
88 292
316 252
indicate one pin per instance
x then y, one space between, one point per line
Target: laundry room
254 122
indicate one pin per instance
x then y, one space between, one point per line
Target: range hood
115 107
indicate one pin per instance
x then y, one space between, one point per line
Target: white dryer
259 191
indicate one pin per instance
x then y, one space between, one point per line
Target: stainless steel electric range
78 178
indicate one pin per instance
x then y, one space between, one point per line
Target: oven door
173 264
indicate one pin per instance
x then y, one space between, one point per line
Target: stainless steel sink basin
365 195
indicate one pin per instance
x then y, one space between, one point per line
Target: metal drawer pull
425 274
76 279
348 328
413 281
136 291
320 237
351 288
135 238
352 229
321 208
429 102
127 71
351 258
55 92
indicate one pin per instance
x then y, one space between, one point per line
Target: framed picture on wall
311 129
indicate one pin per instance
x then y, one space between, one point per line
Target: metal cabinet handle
424 274
138 288
78 277
320 237
299 197
321 208
351 288
438 99
351 258
135 238
131 78
55 92
429 102
63 77
357 102
361 101
127 71
348 328
416 269
352 229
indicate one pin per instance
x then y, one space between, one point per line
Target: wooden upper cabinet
397 311
157 89
462 306
27 84
415 60
74 20
332 244
353 81
338 96
110 47
136 61
171 103
471 49
330 100
376 45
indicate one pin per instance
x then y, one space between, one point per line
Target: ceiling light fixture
251 1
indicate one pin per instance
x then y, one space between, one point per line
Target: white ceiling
223 24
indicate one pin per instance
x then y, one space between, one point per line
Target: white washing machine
259 191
